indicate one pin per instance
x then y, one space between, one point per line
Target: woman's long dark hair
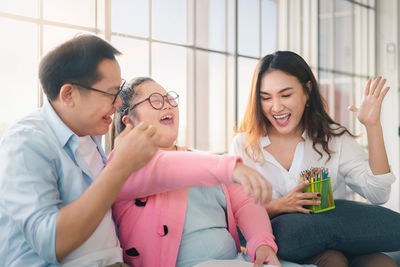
315 120
128 94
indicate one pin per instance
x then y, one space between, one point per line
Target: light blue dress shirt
40 171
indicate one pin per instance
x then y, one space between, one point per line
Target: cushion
352 227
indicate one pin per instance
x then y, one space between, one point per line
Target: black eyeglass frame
100 91
176 99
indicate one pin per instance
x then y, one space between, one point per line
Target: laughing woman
286 130
183 227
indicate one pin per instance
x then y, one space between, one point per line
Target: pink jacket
150 216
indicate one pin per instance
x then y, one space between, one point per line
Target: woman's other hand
252 182
265 254
134 147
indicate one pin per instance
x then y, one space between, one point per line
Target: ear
128 120
68 95
309 85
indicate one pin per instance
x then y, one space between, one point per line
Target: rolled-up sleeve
355 169
29 190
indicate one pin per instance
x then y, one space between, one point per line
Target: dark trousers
118 264
334 258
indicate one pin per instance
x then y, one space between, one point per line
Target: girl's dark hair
128 94
316 121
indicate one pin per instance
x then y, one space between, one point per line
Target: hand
296 199
252 181
182 148
134 147
370 109
265 254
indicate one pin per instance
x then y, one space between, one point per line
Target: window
206 50
346 59
29 29
18 68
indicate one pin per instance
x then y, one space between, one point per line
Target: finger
150 131
155 137
310 202
256 188
304 210
275 261
384 92
254 185
128 129
244 182
301 186
380 86
353 108
142 126
374 85
260 259
366 91
247 187
266 190
272 260
310 195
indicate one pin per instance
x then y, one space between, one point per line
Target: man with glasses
55 193
115 95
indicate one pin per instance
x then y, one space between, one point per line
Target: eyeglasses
104 92
156 100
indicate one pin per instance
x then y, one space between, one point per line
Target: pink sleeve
171 170
252 220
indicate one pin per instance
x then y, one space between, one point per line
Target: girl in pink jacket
163 223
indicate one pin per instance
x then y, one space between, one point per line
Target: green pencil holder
324 188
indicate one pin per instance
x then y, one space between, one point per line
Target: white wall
298 29
387 63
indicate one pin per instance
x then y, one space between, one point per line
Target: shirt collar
60 129
64 134
264 141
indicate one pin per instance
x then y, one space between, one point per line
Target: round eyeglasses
156 100
101 91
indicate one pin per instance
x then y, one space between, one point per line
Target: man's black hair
74 61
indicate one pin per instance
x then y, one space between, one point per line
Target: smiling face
93 110
283 101
166 120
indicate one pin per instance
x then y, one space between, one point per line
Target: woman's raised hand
369 115
252 182
370 109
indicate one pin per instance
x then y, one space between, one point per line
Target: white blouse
348 166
